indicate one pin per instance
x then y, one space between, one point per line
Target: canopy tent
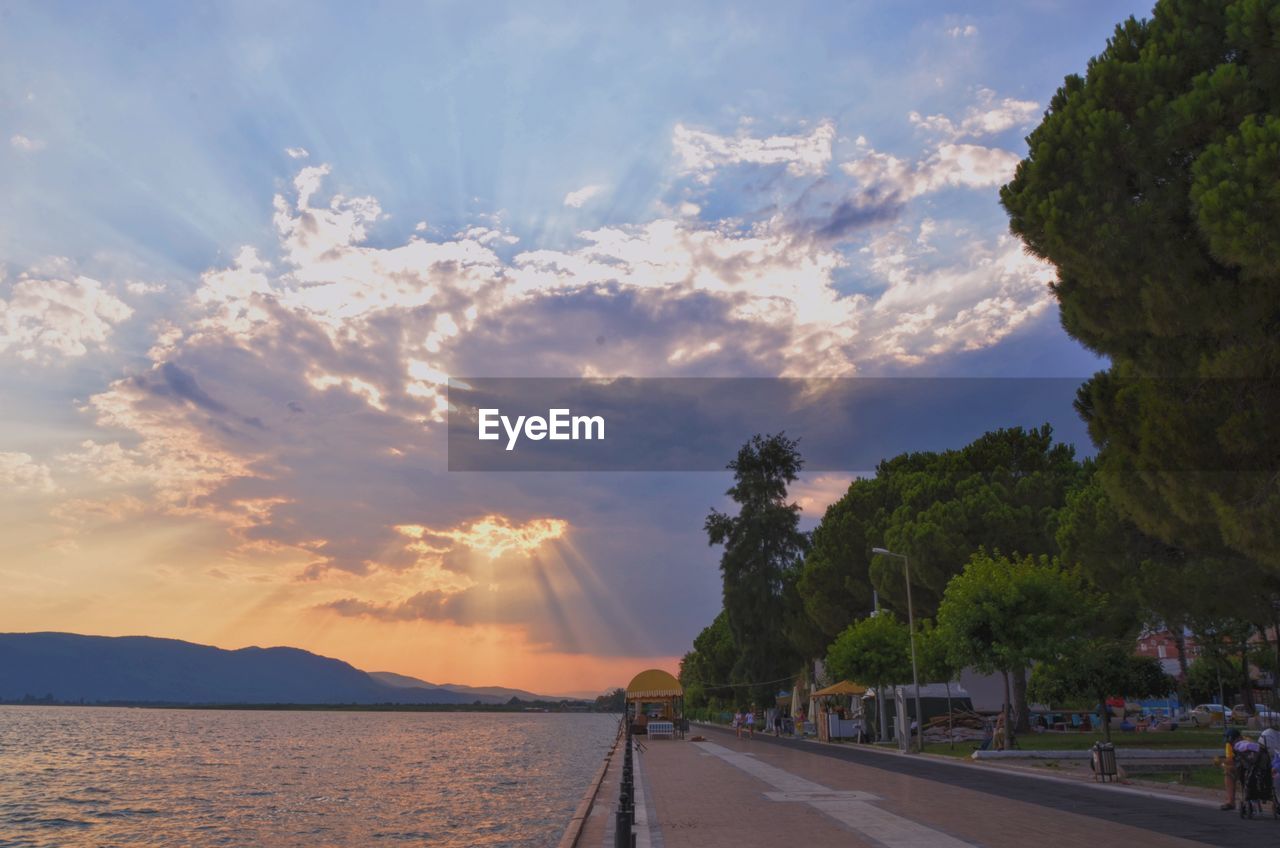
844 687
835 725
653 683
655 694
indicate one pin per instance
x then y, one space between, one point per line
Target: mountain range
144 669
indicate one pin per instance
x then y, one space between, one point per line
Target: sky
244 245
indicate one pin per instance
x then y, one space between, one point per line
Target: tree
875 651
762 544
613 701
1003 490
937 662
705 671
1003 614
1098 669
1224 649
1210 677
1151 185
835 584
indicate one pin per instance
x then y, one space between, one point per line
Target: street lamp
911 630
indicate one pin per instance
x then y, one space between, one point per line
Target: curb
573 832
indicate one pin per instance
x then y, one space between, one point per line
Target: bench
661 730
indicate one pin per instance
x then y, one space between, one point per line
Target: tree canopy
762 544
1003 491
874 651
1097 669
1153 186
1002 614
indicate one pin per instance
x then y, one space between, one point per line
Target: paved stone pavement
729 792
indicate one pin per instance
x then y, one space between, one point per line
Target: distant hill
485 694
145 669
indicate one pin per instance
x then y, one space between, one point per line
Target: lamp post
911 632
882 730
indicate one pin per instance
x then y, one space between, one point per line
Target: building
1163 645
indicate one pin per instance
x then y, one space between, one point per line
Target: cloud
57 314
702 152
882 175
814 493
966 31
988 116
297 152
140 288
25 144
296 397
19 472
575 199
928 312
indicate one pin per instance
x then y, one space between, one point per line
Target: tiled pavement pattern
729 792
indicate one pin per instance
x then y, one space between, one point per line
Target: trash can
1103 761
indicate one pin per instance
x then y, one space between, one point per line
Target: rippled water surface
104 777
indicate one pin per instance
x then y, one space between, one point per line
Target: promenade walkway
730 792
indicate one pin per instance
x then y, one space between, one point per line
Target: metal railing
624 817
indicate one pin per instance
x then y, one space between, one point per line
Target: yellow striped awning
653 683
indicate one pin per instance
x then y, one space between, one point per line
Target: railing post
622 822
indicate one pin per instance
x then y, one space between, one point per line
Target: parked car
1264 715
1207 715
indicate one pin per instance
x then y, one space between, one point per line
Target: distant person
777 723
1235 745
751 724
737 723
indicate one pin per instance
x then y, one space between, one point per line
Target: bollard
622 823
621 830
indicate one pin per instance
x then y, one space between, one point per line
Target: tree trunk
1020 707
875 726
1180 640
1106 718
1275 645
951 731
1004 715
1246 685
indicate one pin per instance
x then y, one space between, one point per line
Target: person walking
737 722
777 723
751 724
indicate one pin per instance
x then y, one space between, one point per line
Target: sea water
94 776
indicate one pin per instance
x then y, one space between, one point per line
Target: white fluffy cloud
947 166
20 473
56 314
702 152
989 116
575 199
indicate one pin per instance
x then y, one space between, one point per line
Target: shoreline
573 831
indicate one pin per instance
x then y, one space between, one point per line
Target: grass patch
1205 777
1075 741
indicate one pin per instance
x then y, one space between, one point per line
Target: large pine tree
1153 185
762 546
